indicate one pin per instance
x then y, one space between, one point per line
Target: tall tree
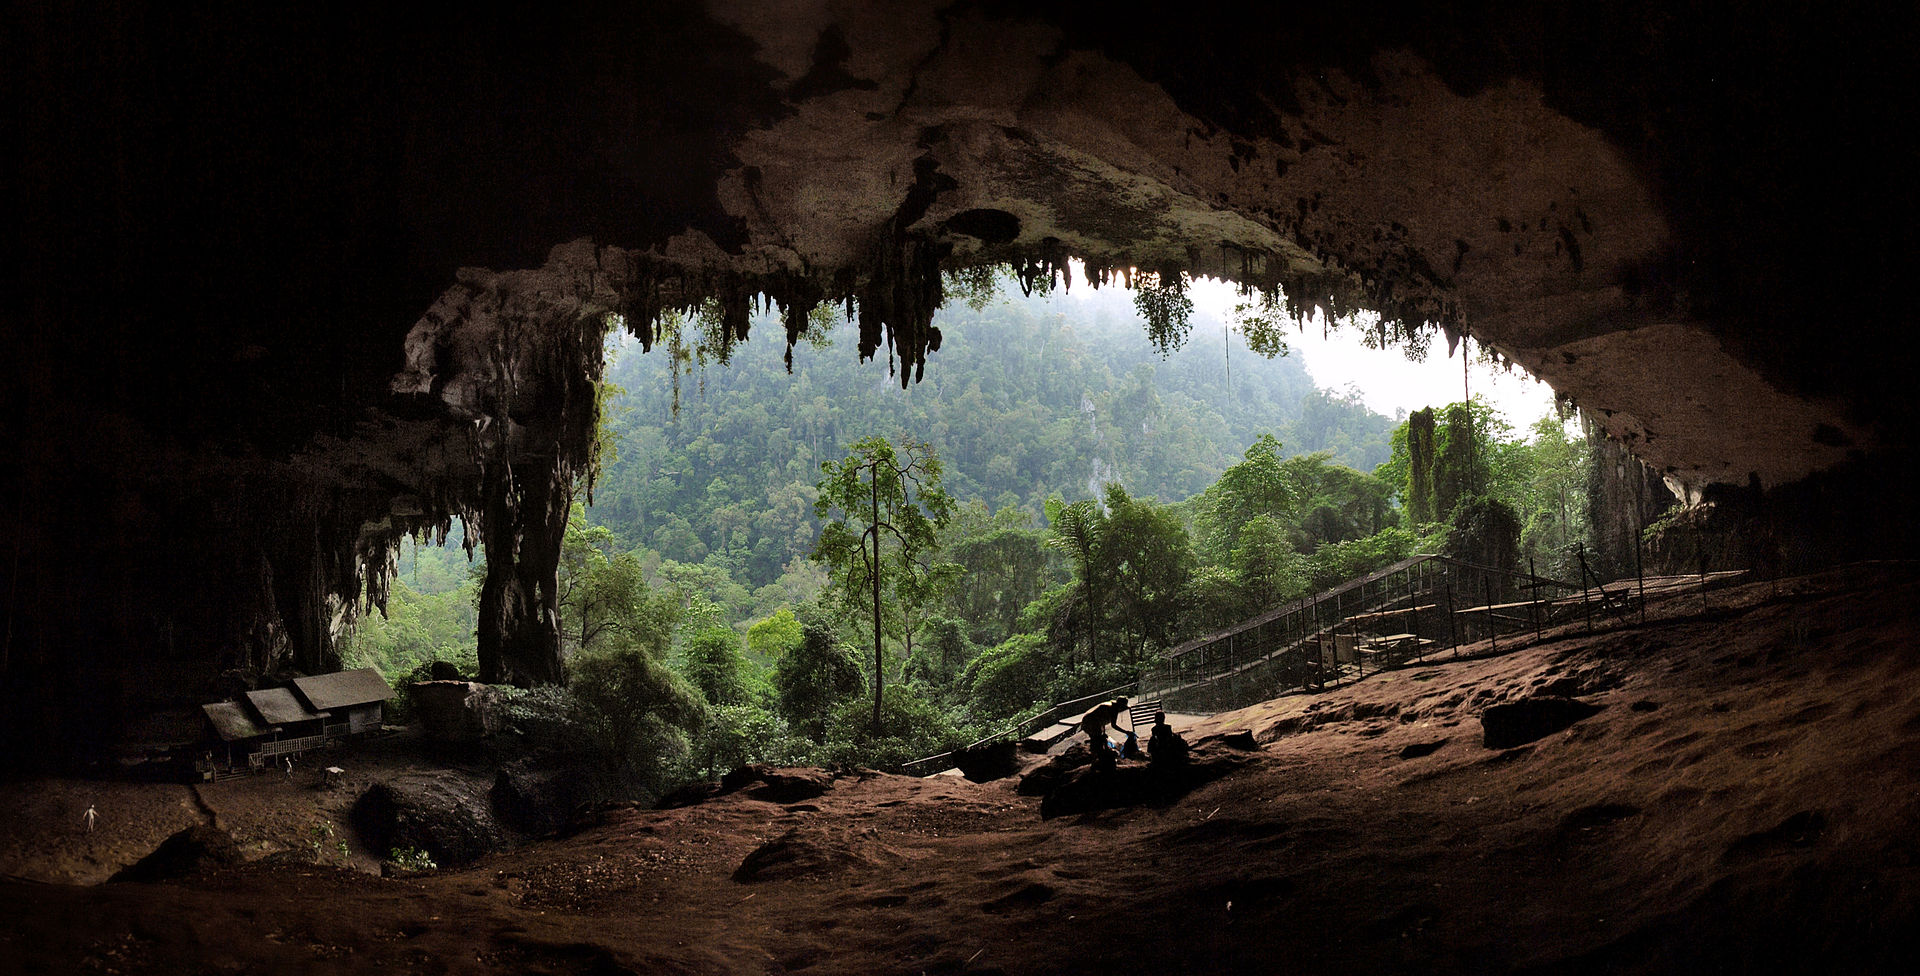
1258 485
1419 494
1460 472
1004 568
715 666
604 594
1078 531
1149 560
884 507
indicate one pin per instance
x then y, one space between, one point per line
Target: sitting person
1130 749
1164 745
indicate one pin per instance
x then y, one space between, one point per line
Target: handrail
1301 603
1021 730
1286 646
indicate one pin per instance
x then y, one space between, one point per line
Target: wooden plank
1507 606
1384 614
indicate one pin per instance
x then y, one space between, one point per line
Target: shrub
740 735
635 712
1009 678
811 678
411 859
910 728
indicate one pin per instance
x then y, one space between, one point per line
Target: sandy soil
1745 800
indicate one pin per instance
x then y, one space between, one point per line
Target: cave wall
294 282
1624 496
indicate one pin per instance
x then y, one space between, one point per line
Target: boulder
446 814
186 853
795 854
458 711
1088 789
1519 722
546 794
774 784
996 760
1043 778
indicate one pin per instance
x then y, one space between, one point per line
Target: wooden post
1413 612
1640 575
1533 598
1703 577
1493 629
1453 626
1359 667
1585 610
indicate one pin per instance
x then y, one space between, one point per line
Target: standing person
289 760
89 817
1095 723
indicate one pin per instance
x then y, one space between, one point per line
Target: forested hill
1027 397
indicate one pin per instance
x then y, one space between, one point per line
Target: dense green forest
1027 398
1067 501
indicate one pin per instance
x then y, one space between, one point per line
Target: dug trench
1737 791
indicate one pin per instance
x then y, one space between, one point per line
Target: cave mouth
280 310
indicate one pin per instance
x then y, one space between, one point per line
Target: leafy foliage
1027 397
1258 486
414 630
812 677
1541 481
411 859
908 727
714 664
1165 308
740 735
635 712
774 637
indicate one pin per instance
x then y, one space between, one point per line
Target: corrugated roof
232 722
279 707
344 689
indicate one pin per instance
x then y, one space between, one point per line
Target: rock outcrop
1517 723
457 711
447 814
191 851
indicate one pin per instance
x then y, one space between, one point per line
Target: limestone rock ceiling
1487 210
297 281
982 133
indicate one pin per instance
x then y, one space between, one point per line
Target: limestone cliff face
294 283
1624 496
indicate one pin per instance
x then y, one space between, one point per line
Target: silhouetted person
1164 745
1130 749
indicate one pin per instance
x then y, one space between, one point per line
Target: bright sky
1387 380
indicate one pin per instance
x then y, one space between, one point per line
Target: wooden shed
299 727
279 706
356 700
236 728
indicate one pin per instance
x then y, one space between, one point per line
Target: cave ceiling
353 261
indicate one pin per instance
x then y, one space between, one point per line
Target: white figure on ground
289 769
90 817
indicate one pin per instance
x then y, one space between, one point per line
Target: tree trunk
519 622
879 659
